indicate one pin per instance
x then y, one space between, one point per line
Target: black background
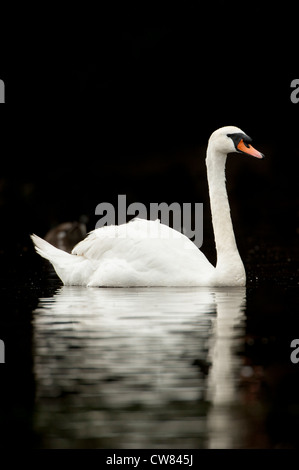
106 107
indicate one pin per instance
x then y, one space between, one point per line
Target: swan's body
148 253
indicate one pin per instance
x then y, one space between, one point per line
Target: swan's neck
228 259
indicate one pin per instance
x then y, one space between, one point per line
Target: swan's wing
121 239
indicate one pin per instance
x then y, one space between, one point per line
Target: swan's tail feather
48 251
67 266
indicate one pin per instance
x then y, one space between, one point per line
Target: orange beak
249 150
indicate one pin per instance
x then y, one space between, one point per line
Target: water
137 368
200 368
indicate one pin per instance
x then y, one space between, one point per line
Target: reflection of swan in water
222 381
135 335
133 349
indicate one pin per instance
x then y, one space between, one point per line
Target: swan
148 253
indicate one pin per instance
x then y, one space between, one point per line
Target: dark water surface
149 368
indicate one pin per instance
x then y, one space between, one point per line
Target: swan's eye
240 139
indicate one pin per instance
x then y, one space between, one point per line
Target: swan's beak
249 150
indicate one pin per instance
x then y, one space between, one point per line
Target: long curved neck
226 247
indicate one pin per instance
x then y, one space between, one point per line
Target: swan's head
232 139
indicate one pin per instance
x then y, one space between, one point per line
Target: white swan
148 253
